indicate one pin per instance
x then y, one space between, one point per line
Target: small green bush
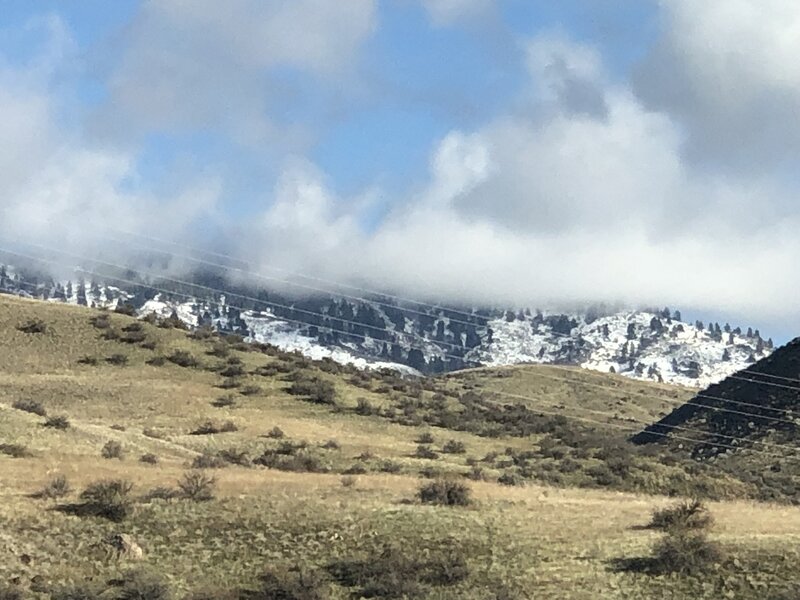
124 308
250 390
142 585
445 492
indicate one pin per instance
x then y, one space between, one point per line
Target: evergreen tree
605 330
738 331
770 345
631 331
759 345
727 328
677 316
699 325
730 339
749 332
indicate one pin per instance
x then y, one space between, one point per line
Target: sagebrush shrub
60 422
31 406
276 433
118 360
454 447
33 326
426 452
182 359
142 585
149 458
15 450
691 514
317 390
685 552
292 583
197 486
445 492
108 498
112 449
426 438
208 461
57 487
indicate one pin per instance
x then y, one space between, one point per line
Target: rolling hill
313 471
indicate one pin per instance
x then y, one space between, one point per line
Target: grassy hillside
316 470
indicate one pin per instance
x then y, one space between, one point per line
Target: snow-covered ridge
646 345
638 344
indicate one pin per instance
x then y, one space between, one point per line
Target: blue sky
511 151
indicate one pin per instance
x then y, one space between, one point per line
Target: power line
691 403
462 359
249 298
190 297
518 396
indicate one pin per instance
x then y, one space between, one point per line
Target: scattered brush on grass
31 406
445 492
299 462
211 428
250 390
234 456
124 308
152 433
316 390
109 499
15 450
59 422
91 361
157 361
348 481
331 445
425 452
390 466
227 401
161 493
355 470
197 486
691 514
208 461
112 449
395 572
296 582
33 326
229 383
276 433
454 447
57 487
425 438
149 458
139 585
10 592
118 360
364 408
510 479
182 359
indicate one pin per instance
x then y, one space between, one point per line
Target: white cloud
210 65
560 207
727 71
58 190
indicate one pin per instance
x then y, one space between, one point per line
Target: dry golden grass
527 542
